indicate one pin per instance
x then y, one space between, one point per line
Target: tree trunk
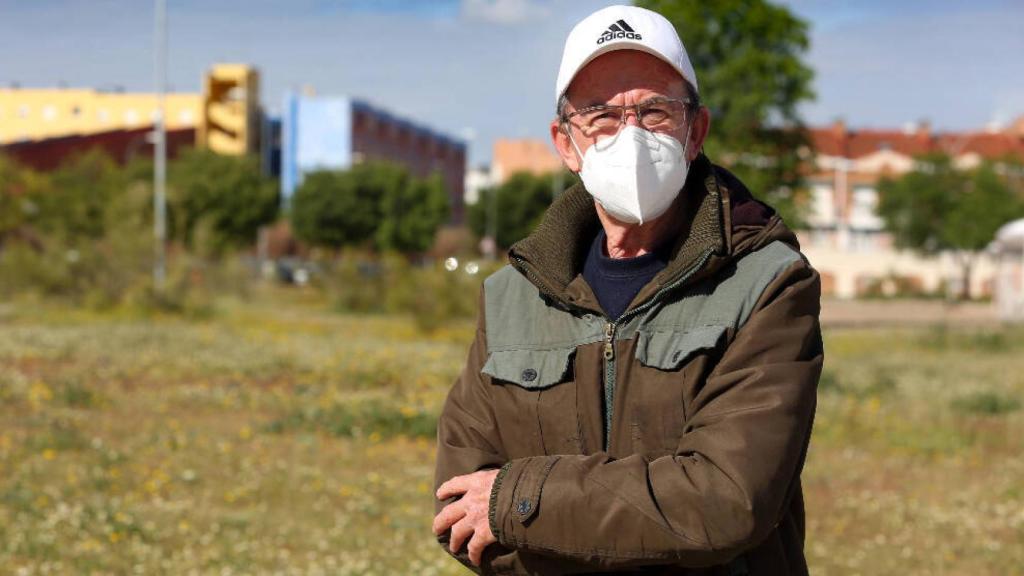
966 267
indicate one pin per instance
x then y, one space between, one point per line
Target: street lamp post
160 150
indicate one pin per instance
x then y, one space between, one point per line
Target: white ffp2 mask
636 174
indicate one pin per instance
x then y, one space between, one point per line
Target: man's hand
467 516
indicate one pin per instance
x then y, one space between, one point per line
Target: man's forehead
622 71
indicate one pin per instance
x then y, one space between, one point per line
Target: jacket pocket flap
534 369
668 350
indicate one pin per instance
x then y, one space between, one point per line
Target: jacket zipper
609 378
609 339
609 344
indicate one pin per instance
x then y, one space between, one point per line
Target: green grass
277 436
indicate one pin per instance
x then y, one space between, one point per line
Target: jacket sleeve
730 479
468 441
467 436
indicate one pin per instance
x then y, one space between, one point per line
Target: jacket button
524 506
529 375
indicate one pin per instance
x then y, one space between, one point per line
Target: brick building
337 132
846 238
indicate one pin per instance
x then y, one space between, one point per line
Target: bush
374 205
219 202
986 403
428 292
84 233
359 283
358 419
411 214
434 296
521 202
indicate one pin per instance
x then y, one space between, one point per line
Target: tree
73 207
224 196
749 58
327 210
521 202
18 199
938 208
373 205
412 214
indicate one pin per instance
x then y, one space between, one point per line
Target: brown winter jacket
711 376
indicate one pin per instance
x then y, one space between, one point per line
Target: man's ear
698 133
564 147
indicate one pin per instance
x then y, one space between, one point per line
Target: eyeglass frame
689 107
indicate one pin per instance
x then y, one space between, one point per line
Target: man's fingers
451 514
453 486
461 530
476 548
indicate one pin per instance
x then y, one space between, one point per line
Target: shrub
219 202
520 203
986 403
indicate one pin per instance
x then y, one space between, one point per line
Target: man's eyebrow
602 103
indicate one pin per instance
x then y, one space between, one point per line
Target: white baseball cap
622 28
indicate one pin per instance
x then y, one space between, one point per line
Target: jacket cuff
515 497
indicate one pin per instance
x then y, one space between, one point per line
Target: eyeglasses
656 115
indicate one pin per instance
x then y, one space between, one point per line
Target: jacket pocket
536 400
531 369
669 365
669 349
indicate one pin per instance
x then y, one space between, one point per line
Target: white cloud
503 11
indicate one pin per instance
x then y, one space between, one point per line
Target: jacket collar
552 256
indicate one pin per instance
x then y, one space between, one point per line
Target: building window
76 111
103 115
864 211
23 111
131 117
185 117
49 113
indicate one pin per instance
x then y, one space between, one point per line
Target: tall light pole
160 150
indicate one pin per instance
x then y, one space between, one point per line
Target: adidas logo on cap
619 29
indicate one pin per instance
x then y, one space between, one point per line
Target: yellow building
225 116
230 110
36 114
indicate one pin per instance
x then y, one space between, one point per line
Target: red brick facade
379 136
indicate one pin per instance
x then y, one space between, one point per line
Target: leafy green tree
749 59
73 206
520 203
328 210
224 196
372 205
938 208
19 189
411 214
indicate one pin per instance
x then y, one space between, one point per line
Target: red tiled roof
985 144
837 140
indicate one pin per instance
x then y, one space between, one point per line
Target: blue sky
483 69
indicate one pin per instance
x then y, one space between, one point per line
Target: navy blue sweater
616 281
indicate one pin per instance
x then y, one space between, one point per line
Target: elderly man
641 388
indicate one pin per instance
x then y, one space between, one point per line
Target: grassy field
279 438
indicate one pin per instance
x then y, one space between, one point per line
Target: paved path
864 313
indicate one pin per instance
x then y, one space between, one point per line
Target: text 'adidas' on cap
622 28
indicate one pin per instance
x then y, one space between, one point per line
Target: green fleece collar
553 255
